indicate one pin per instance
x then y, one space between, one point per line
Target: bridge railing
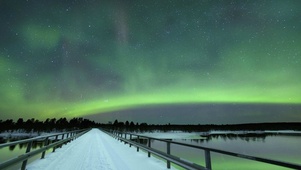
49 141
128 138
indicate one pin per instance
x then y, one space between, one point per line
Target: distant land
79 123
203 128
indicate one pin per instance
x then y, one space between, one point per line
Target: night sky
155 61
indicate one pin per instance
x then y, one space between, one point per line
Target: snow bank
23 134
283 132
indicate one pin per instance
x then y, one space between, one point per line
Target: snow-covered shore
172 135
245 132
163 135
202 135
20 134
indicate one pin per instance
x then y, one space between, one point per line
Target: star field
77 58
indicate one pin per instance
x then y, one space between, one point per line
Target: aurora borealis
78 58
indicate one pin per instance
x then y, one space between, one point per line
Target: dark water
35 144
11 152
277 147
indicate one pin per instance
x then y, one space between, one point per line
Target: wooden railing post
168 152
138 142
55 141
23 167
130 139
125 138
45 144
62 139
208 159
149 145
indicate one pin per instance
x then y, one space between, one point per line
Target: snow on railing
59 139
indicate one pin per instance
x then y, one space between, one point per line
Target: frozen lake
278 147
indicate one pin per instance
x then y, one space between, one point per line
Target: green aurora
79 58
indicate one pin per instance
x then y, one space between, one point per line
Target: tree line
142 127
80 123
47 125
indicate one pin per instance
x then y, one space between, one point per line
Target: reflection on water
141 140
244 137
271 146
2 140
35 144
10 152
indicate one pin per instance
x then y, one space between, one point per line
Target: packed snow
99 151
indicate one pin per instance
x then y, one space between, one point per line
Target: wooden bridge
88 146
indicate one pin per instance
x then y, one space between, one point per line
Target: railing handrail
174 159
35 138
254 158
24 157
243 156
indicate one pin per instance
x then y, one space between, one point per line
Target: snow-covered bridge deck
99 151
